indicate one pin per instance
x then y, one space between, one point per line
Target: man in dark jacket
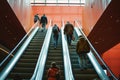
68 30
55 31
43 21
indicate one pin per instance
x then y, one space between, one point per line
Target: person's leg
80 60
43 27
57 40
69 39
85 61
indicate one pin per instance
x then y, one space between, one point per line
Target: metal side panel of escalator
54 55
87 74
24 68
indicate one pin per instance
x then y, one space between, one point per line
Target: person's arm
72 27
58 29
48 72
46 20
88 46
58 74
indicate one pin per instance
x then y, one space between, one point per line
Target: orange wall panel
112 58
92 13
59 13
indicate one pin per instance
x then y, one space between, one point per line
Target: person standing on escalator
55 31
82 48
68 31
36 18
44 22
53 72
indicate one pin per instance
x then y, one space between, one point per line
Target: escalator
56 56
25 66
87 74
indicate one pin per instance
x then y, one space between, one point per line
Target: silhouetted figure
55 31
68 30
36 18
82 48
43 21
53 72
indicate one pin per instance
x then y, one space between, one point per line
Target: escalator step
26 65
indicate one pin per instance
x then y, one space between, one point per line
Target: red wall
112 58
103 28
59 13
25 12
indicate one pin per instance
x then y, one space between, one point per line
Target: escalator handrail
93 49
4 73
11 53
39 69
94 61
66 57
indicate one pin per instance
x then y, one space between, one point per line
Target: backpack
43 20
83 46
55 30
70 30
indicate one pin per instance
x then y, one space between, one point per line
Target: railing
11 53
66 57
38 73
92 56
96 65
16 57
1 49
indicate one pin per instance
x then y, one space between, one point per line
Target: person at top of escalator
36 18
68 31
82 48
55 31
53 72
43 21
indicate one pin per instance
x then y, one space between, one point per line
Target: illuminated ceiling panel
59 2
62 1
51 1
74 1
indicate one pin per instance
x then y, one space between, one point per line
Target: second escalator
87 74
54 55
26 65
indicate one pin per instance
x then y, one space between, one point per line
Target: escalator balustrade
79 74
25 67
54 55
